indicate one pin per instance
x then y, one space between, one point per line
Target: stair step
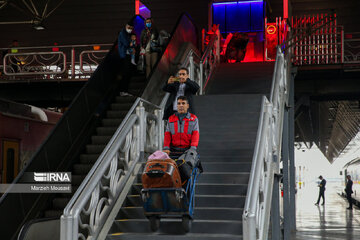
219 177
82 169
88 158
103 140
202 213
221 189
236 201
94 149
173 226
226 166
206 189
106 131
157 236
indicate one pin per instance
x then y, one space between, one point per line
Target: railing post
218 40
72 63
192 70
342 45
140 111
203 40
160 127
201 82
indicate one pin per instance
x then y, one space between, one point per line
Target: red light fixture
271 29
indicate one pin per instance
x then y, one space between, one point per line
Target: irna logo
52 177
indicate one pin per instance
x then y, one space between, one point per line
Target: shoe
350 208
322 204
316 204
125 94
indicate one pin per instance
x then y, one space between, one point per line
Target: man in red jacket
182 130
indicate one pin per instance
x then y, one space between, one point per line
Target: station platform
331 221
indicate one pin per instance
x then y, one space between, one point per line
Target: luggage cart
171 203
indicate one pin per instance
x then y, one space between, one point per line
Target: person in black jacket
349 190
180 86
321 190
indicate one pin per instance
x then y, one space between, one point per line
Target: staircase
228 128
115 114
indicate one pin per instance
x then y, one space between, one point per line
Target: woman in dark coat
181 86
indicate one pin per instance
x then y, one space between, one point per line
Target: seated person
182 130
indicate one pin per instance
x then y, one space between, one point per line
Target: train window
10 165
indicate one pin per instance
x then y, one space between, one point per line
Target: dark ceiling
91 21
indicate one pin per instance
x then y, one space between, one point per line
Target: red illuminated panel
271 29
271 41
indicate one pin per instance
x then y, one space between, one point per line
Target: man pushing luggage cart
169 181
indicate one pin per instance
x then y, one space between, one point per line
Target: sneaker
350 208
125 94
316 204
322 204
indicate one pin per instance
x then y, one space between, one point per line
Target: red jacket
184 134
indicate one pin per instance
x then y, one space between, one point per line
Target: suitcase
161 174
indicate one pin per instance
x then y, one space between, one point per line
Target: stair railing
265 163
208 62
89 208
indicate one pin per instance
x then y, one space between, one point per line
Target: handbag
184 168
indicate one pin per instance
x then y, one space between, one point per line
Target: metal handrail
265 161
209 48
207 64
70 217
79 61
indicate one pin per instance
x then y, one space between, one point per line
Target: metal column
275 210
286 180
291 154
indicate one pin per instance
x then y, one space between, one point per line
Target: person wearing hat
126 66
321 190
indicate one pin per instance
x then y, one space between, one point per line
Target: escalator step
89 158
94 148
81 169
106 131
53 213
60 203
121 106
111 122
100 139
77 180
127 99
116 114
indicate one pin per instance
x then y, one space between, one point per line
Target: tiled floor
329 222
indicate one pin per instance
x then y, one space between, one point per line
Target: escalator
85 129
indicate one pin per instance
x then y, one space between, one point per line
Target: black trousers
321 195
348 196
127 71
